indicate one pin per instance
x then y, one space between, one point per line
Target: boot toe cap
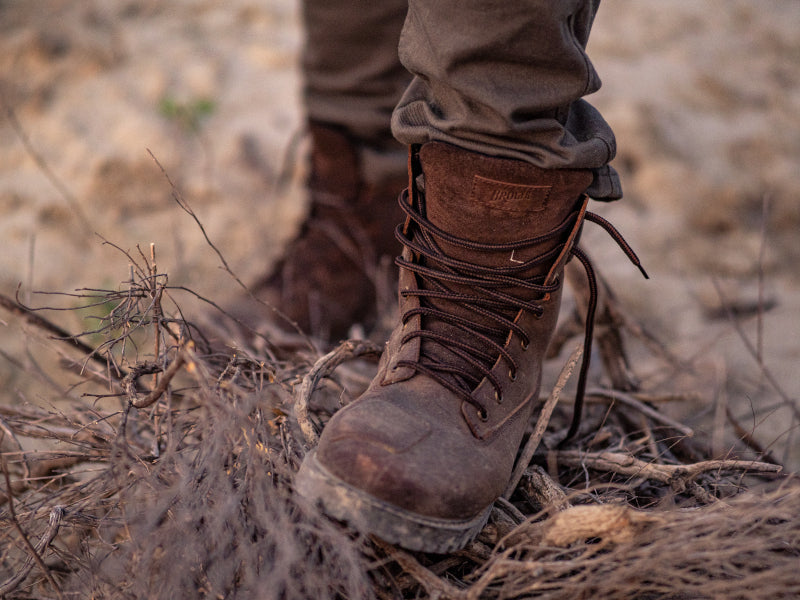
414 463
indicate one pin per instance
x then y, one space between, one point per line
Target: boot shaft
337 269
486 241
495 200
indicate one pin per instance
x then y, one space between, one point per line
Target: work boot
327 278
421 456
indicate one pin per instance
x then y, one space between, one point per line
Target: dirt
102 98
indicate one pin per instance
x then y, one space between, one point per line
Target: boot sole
382 519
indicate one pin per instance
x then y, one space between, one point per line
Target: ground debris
176 482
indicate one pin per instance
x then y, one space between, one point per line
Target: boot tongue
496 201
491 200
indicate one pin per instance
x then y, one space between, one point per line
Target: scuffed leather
410 441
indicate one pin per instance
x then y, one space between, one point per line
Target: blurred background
704 98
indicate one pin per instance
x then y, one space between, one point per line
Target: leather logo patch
510 197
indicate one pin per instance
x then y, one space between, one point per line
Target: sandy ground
704 97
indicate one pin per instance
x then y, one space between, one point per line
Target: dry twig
48 172
11 584
630 401
544 419
33 551
163 383
348 350
436 587
625 464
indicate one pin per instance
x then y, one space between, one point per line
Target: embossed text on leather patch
511 197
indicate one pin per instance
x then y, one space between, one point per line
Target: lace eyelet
524 344
498 397
512 375
483 415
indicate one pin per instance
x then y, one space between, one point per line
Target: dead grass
170 476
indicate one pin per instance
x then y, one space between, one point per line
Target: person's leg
503 150
506 79
353 78
326 279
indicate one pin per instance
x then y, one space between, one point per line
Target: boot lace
494 293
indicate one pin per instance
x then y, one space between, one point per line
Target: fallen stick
630 401
625 464
434 586
10 584
542 422
58 333
33 551
347 350
162 384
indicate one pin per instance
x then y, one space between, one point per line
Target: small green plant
188 115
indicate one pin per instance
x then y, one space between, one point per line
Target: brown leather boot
327 277
421 456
